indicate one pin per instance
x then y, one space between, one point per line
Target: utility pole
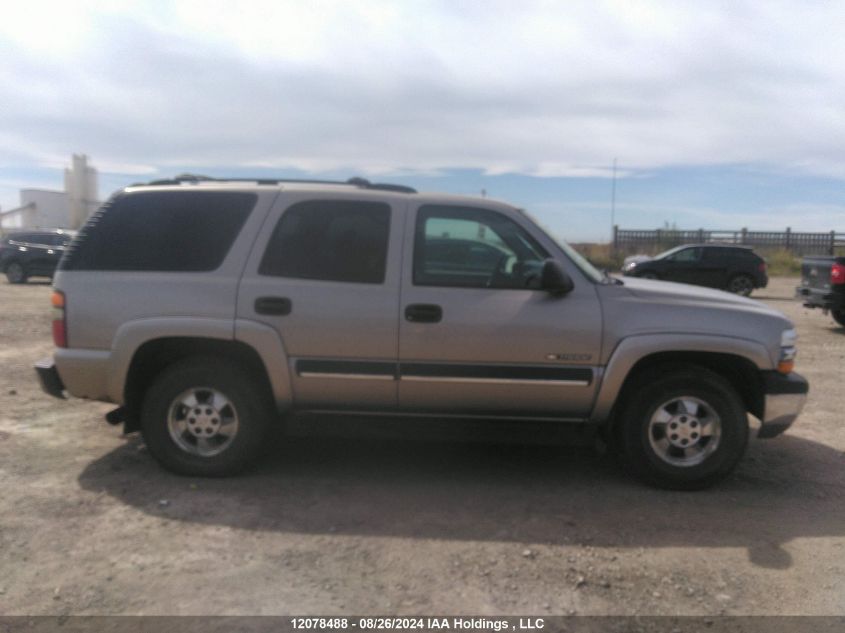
613 202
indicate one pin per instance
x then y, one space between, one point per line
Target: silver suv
209 309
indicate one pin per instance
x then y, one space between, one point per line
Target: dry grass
782 263
601 256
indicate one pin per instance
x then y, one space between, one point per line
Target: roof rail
361 183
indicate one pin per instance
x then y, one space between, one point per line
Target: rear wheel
204 417
838 316
16 273
685 429
741 285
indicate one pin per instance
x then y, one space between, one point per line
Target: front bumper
785 395
50 380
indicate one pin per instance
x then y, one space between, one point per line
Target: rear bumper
49 378
818 298
785 395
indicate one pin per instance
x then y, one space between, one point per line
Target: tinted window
686 255
21 238
475 248
330 240
185 231
748 256
716 254
39 239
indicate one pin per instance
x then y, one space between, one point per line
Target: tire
225 430
16 273
838 316
741 285
696 401
649 275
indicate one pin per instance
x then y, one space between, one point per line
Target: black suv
736 269
28 254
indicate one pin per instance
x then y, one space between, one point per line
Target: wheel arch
155 355
146 351
737 360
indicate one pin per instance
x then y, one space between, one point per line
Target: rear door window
330 240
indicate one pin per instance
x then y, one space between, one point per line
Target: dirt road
90 525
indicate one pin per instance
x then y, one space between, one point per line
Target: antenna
613 202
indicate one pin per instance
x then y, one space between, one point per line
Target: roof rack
362 183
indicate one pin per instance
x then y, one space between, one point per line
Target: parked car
209 310
737 269
823 285
28 254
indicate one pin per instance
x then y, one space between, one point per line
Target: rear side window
330 240
717 254
174 231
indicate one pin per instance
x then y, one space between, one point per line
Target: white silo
81 189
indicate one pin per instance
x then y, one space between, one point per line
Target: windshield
579 260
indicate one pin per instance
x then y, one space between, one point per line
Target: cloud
547 89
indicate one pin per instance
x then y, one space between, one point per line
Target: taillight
59 319
762 267
837 274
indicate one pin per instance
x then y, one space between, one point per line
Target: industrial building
68 209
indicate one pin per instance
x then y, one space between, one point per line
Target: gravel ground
90 525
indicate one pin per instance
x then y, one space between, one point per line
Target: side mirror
553 278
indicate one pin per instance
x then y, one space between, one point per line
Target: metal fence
628 241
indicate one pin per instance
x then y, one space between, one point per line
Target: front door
327 279
474 337
685 267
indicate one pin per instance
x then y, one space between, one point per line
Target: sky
719 115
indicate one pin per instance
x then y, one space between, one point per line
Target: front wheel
741 285
685 429
649 275
204 417
838 316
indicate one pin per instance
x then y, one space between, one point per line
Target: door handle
280 306
423 313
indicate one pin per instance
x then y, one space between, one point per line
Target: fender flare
261 338
633 349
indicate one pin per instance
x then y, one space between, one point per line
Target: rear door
40 255
325 274
714 265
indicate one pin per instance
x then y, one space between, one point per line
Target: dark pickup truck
823 285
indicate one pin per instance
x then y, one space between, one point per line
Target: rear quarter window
174 231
